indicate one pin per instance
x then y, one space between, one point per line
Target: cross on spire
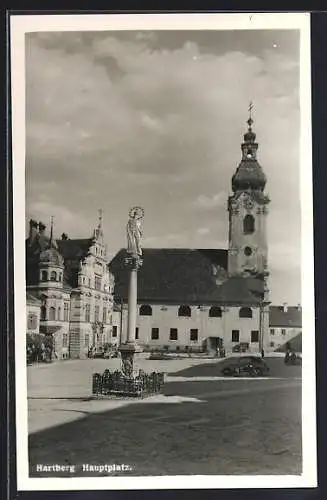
250 121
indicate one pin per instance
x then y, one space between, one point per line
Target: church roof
185 276
291 317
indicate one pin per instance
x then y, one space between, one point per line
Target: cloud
217 200
157 120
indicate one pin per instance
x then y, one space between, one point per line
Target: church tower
248 210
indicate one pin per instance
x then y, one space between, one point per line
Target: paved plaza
202 424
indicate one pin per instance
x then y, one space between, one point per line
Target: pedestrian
262 353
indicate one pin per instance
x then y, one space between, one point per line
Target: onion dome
50 256
249 174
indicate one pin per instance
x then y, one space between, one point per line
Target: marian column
134 262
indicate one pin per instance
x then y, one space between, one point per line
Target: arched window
245 312
52 313
184 311
31 322
145 310
43 313
44 276
248 224
215 312
53 276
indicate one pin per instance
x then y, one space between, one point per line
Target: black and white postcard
163 251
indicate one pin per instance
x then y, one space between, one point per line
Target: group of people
290 357
39 353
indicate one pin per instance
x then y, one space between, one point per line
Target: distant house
285 325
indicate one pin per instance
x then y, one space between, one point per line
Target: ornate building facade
71 280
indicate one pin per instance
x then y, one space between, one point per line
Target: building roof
32 300
75 249
294 343
185 276
51 257
290 317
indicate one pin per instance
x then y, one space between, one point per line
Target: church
189 300
195 299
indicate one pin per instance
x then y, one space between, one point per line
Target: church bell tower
248 210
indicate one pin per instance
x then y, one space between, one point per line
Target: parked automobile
242 347
247 365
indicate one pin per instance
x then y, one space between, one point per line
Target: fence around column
115 383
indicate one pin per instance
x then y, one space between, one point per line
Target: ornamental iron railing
115 383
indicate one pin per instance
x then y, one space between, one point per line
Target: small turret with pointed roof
51 256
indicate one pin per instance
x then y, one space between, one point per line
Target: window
136 333
52 313
65 340
145 310
31 322
272 331
194 334
59 314
96 313
86 340
245 312
272 344
248 224
87 313
114 331
215 312
235 335
184 311
53 276
104 315
43 313
97 283
247 251
283 331
44 276
66 312
155 333
173 334
255 336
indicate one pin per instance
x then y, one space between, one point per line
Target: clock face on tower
248 203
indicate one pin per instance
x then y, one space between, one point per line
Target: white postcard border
19 25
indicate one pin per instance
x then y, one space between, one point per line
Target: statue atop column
134 232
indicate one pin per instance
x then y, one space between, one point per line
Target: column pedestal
128 350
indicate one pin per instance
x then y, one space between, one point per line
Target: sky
156 119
